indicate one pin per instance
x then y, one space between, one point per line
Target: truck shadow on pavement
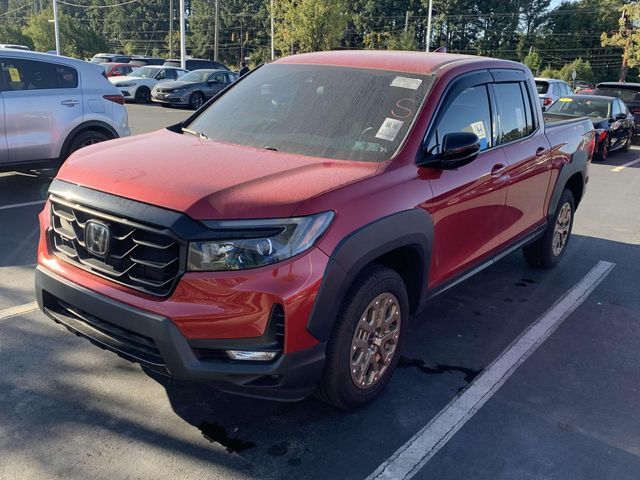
55 389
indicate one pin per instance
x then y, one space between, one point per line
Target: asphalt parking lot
570 411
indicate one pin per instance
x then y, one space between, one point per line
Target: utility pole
170 28
406 22
215 36
56 26
625 54
273 51
183 46
428 40
241 40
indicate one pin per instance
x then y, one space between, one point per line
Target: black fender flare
578 164
408 228
91 124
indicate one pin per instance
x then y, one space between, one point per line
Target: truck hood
208 180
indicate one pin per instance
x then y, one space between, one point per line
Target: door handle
69 103
498 169
541 151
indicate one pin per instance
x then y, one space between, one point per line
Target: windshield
321 111
584 107
144 72
624 93
197 76
542 87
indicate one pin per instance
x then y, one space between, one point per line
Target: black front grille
139 256
124 342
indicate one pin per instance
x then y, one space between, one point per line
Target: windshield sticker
389 129
478 129
406 82
14 74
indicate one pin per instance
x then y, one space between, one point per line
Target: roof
618 84
47 57
545 79
401 61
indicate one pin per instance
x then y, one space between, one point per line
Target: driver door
215 84
468 202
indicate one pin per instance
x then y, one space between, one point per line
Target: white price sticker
389 129
406 82
478 129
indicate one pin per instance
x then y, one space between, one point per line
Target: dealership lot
70 410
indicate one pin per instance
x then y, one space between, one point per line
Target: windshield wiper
195 134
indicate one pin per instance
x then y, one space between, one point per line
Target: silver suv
51 106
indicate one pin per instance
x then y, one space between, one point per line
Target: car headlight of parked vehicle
124 85
246 244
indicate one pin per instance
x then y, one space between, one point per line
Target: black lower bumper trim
155 342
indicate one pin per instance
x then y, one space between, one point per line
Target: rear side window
19 74
469 112
511 114
542 87
616 108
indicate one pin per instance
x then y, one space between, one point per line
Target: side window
219 78
29 75
469 112
531 124
67 77
512 118
616 108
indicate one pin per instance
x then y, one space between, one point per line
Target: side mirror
458 149
621 116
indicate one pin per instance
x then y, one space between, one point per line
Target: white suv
51 106
550 90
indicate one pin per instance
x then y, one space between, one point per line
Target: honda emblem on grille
96 238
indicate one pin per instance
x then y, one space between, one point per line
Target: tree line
548 38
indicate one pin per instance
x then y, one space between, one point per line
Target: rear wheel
547 251
143 95
196 100
365 344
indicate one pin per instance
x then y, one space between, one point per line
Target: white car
51 106
137 85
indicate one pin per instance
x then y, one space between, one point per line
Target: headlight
245 244
125 84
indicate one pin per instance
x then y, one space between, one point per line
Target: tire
547 251
627 144
346 382
86 138
602 155
143 95
196 100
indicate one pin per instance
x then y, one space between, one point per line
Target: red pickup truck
276 243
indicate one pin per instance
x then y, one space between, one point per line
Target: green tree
76 40
533 60
582 68
627 37
310 25
12 33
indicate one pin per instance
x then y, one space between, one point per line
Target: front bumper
128 92
169 99
155 342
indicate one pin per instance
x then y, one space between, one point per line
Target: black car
141 61
194 88
629 93
196 64
611 120
110 57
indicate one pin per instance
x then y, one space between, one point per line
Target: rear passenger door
469 200
42 102
526 151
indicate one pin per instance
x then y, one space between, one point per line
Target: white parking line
17 205
622 167
414 454
19 310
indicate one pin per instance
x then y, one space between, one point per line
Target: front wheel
85 139
602 155
365 344
196 100
143 95
547 251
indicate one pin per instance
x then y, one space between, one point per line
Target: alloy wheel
562 229
375 340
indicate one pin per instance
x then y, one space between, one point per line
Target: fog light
251 355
